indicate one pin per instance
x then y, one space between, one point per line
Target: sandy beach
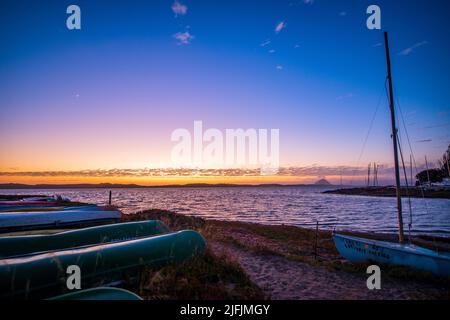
283 263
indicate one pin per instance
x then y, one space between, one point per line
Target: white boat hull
361 250
32 220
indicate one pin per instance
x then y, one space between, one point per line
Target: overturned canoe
44 275
27 208
7 207
29 203
35 244
103 293
13 221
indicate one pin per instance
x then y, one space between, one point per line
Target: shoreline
282 262
389 191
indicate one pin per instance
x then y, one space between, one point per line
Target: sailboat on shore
356 249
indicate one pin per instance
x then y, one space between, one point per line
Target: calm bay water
299 206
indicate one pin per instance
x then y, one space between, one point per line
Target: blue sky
137 70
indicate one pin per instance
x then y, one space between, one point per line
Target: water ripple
300 206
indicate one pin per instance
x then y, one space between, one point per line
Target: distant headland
118 186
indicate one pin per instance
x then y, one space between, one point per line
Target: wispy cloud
439 125
299 171
183 37
345 96
300 2
179 9
280 26
407 51
272 51
379 44
343 13
265 43
279 67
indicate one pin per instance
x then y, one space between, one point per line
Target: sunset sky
99 104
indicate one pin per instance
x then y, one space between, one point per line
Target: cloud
280 26
386 171
345 96
407 51
265 43
379 44
183 37
440 125
272 51
342 13
310 2
279 67
179 9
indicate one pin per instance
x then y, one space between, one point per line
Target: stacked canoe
37 266
52 212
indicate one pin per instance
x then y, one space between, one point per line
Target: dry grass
292 243
206 277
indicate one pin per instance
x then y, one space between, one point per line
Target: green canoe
33 244
103 293
44 275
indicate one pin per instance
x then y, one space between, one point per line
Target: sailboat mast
394 141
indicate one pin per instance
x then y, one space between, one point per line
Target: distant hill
66 186
322 182
115 186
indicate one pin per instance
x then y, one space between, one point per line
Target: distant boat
358 250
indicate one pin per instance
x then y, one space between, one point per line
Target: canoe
102 293
360 250
35 244
38 220
44 275
24 203
24 206
25 209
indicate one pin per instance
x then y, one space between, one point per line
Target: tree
445 162
435 176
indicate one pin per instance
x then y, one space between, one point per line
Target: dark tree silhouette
436 174
445 162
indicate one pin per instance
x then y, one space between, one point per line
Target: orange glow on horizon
172 180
